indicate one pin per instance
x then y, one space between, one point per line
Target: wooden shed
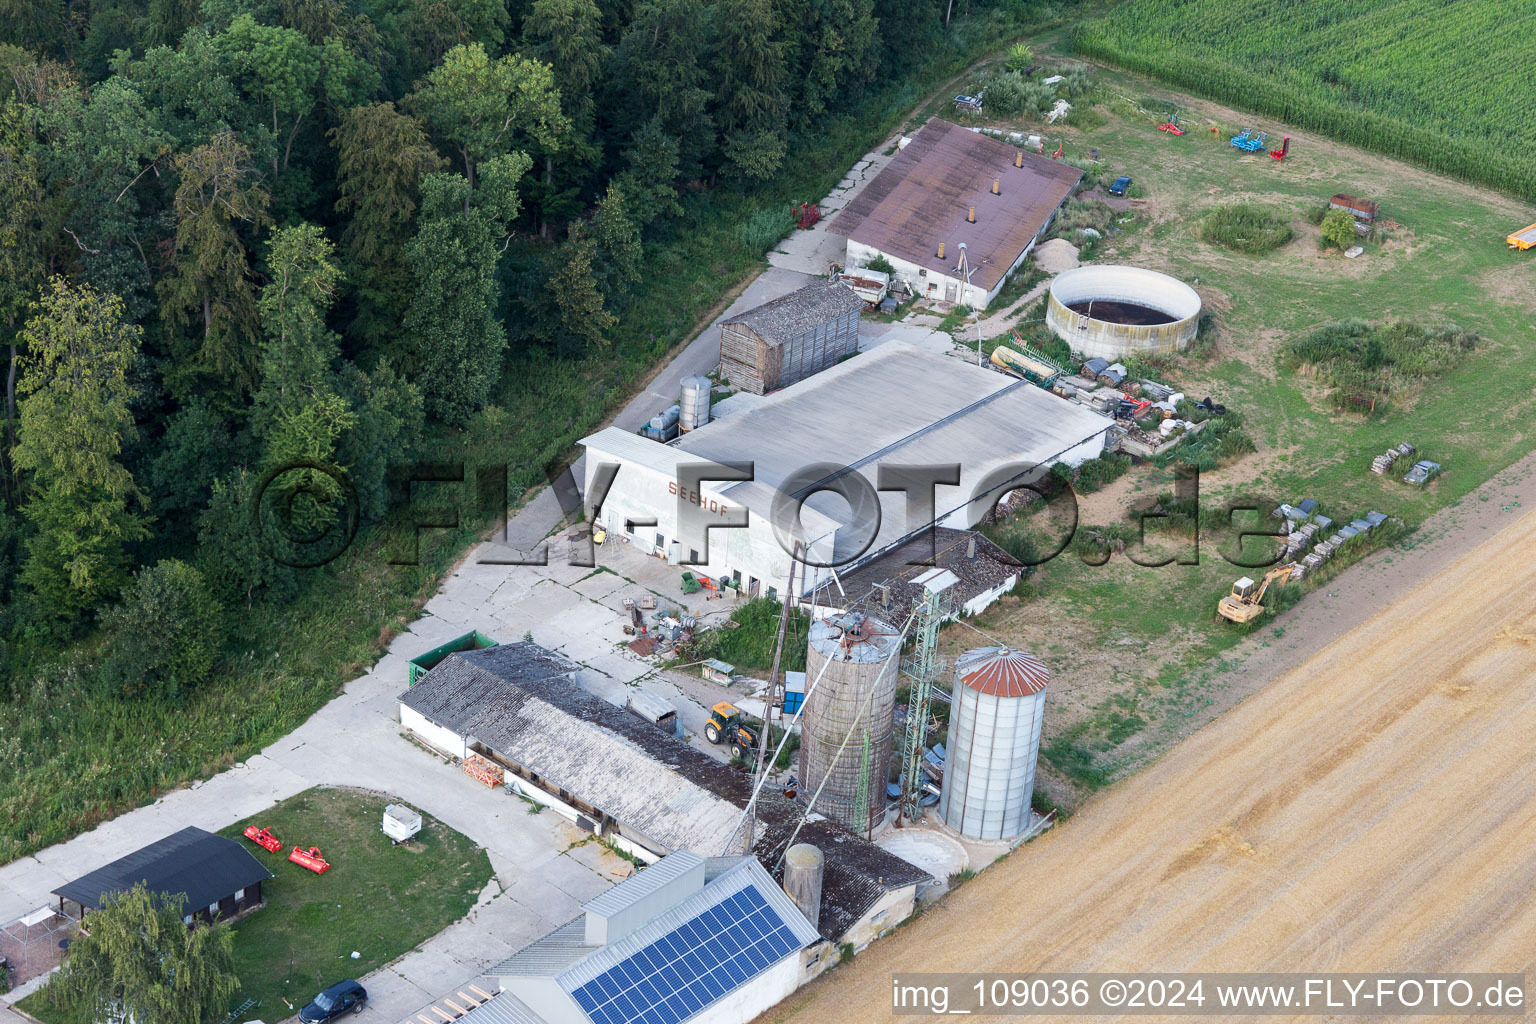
790 338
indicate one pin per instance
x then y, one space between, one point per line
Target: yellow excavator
1245 603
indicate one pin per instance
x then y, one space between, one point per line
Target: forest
1441 83
254 253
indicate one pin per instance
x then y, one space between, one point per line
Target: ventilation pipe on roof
1018 158
970 218
803 865
996 190
941 250
970 548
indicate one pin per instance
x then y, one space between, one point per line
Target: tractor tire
738 751
711 733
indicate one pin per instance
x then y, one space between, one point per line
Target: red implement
1170 128
263 838
807 214
311 859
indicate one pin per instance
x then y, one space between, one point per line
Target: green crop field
1442 83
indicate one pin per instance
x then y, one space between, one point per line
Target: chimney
941 250
970 218
995 190
970 548
885 595
1018 159
803 865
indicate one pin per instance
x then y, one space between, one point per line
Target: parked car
1120 184
343 997
1422 473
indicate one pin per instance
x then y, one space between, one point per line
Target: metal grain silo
695 403
994 739
845 734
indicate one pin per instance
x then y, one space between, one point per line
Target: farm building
955 192
791 337
864 414
687 939
649 793
888 586
219 877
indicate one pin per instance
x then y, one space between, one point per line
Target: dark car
1120 185
343 997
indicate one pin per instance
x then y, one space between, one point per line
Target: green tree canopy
165 636
140 962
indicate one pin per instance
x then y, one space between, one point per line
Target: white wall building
892 406
955 213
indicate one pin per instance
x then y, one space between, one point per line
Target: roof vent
1018 158
941 250
970 218
996 189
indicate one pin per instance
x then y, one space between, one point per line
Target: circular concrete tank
1115 311
854 704
994 737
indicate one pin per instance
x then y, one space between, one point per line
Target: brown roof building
952 186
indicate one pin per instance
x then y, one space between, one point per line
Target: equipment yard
1375 806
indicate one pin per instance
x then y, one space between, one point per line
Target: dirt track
1374 809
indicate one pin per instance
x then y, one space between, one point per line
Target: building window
187 920
773 593
879 918
239 895
661 542
213 909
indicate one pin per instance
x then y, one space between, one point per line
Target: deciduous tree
749 90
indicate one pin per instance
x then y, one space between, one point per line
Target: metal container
846 731
401 823
803 865
994 739
669 418
695 403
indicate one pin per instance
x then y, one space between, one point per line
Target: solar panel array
691 966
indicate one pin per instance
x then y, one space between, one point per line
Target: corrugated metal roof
789 316
504 1008
893 404
1002 672
643 883
549 955
748 874
925 193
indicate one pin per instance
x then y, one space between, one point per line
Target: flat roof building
951 186
892 406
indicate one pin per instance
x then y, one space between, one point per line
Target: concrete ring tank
849 720
1114 311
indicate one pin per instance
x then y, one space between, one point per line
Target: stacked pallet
483 771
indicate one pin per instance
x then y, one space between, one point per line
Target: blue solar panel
696 963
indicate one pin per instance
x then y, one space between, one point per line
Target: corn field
1446 85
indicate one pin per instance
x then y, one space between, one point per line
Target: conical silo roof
1003 672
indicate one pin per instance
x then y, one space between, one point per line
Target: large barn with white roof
890 407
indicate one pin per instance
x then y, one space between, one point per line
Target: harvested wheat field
1374 809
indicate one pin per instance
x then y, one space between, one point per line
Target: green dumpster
423 663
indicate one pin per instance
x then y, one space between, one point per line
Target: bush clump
1365 363
1245 228
164 638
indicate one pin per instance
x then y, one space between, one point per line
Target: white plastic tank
994 740
695 403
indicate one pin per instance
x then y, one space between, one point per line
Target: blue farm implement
1248 142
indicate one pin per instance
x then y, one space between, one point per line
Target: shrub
1339 229
165 637
1007 94
1245 227
1358 359
880 265
1020 57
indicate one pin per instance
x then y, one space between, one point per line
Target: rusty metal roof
924 194
1003 672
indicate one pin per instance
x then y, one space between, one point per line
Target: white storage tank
694 407
994 739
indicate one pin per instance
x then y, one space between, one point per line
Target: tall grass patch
1246 228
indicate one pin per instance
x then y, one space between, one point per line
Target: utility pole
774 679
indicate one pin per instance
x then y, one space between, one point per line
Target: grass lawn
377 899
1136 652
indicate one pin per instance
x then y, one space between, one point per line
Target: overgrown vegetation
1365 364
1246 228
749 645
308 314
1365 74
